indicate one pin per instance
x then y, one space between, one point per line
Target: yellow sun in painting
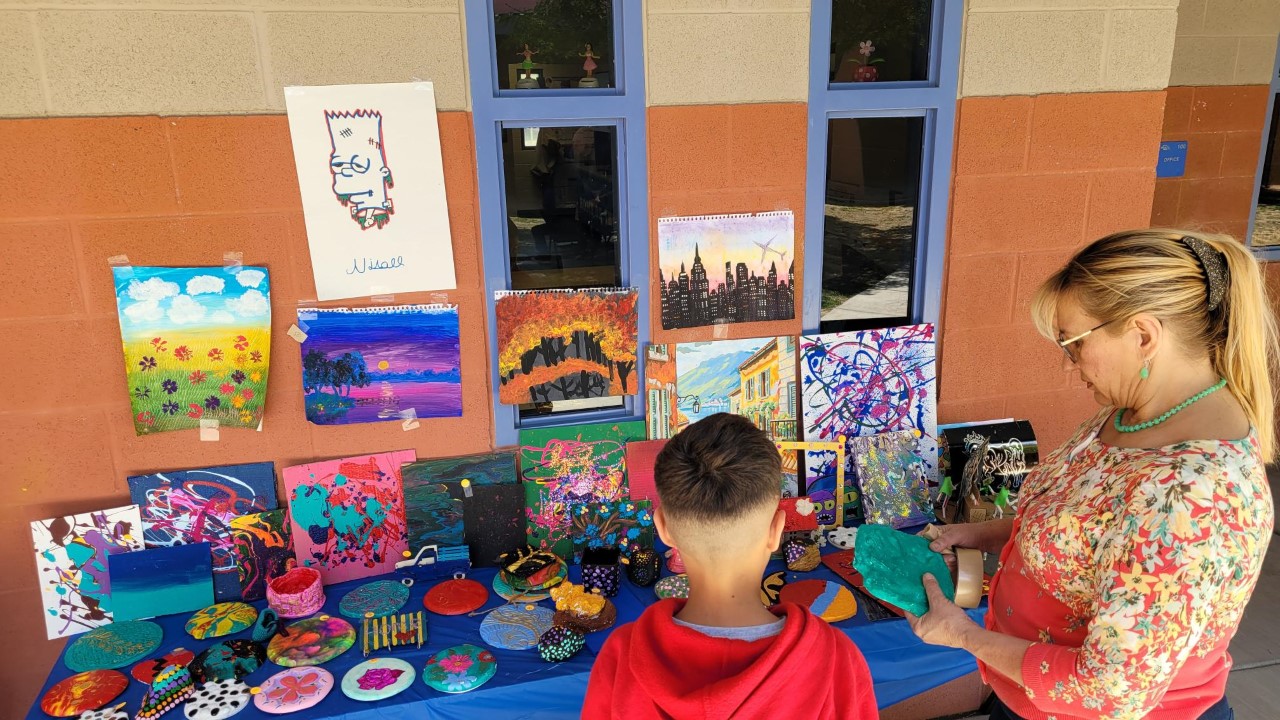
383 364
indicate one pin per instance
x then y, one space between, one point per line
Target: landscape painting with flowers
197 345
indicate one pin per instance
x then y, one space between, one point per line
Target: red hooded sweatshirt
654 668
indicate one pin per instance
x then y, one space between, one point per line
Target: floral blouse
1129 569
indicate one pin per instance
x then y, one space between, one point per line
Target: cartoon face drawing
358 164
825 502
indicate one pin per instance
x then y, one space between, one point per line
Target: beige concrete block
1204 61
20 93
1027 53
770 5
318 49
1256 60
453 6
1191 17
1242 17
135 62
656 7
727 58
1140 49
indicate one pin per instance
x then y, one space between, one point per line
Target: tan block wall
1225 42
725 52
1031 47
223 57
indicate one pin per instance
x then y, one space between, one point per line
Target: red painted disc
145 671
83 692
456 597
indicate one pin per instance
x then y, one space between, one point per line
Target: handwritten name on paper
359 266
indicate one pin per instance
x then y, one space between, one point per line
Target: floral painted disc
221 619
293 689
459 669
83 692
378 679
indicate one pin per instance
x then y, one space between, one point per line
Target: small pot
865 73
643 567
297 593
601 571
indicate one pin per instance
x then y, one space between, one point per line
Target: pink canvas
348 514
640 458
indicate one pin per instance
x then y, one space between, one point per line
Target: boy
721 653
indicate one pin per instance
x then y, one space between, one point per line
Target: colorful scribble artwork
865 383
371 178
571 465
566 344
378 364
433 496
891 479
161 581
756 253
348 515
71 563
262 546
191 506
624 525
661 399
753 377
197 345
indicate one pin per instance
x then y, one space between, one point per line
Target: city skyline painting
755 253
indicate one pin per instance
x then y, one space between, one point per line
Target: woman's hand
945 623
986 536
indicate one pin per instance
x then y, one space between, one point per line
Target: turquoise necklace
1222 382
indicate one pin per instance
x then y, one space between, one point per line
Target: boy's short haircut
718 469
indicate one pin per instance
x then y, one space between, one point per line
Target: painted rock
560 643
673 586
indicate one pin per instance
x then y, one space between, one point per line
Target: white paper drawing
372 183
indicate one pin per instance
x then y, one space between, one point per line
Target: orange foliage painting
566 344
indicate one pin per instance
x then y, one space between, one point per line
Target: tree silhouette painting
563 345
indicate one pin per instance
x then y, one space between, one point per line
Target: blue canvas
163 581
197 506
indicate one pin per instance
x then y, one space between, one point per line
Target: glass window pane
1266 225
553 43
880 40
869 227
562 219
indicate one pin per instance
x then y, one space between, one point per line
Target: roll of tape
968 577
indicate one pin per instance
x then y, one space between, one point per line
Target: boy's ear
775 530
660 524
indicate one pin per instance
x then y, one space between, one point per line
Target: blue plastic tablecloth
525 686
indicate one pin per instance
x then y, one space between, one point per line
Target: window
1264 236
882 99
561 162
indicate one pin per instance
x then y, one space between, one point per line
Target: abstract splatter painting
197 344
755 253
571 465
566 344
433 493
161 581
753 377
377 364
372 184
891 478
348 515
191 506
865 383
71 563
262 545
660 391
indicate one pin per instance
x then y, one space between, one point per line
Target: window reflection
554 44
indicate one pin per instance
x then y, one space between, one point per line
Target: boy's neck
725 597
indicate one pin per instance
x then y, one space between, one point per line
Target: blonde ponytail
1246 355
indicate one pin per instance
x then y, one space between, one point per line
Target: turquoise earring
1146 370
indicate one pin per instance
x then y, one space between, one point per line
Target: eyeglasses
1066 344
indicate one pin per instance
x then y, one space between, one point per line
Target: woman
1137 543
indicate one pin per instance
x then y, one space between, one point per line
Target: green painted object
892 562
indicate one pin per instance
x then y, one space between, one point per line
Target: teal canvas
161 581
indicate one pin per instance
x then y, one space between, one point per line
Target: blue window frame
620 107
933 100
1264 189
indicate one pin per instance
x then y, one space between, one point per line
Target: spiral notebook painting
718 269
378 364
566 344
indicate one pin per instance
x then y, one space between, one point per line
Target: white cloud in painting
250 278
201 284
144 312
251 304
183 310
152 289
222 316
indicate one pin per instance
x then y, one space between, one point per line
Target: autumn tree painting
562 345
